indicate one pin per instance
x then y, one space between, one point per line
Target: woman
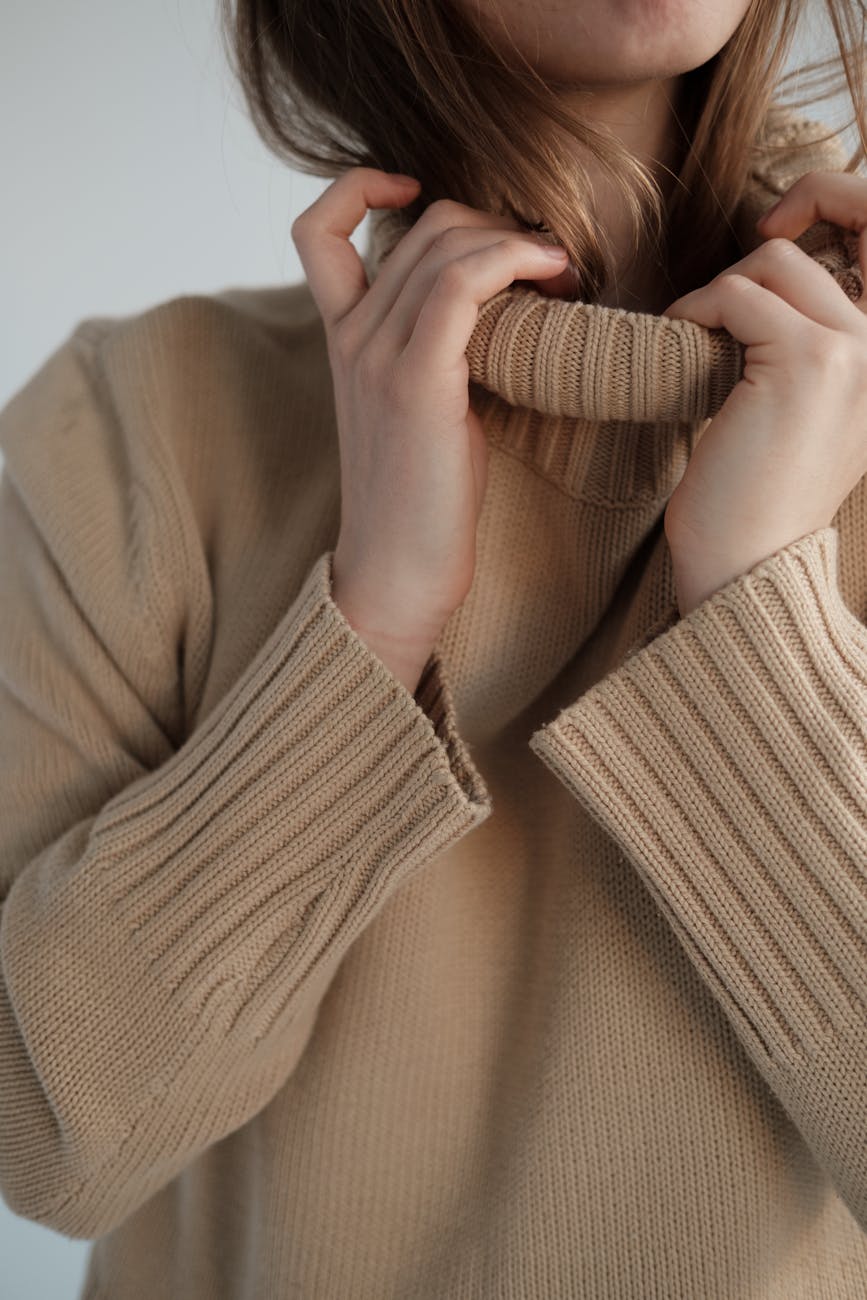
434 814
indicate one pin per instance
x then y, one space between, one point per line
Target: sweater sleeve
727 758
173 912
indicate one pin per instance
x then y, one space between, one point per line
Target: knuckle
395 390
448 240
300 226
519 245
779 247
735 283
826 349
379 373
366 370
451 278
306 220
345 339
442 212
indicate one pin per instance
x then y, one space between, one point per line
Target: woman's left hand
789 443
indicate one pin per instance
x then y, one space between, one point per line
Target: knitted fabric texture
547 980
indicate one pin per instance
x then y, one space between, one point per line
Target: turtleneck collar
588 362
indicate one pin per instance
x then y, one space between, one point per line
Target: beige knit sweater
549 981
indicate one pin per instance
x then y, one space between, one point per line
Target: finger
395 329
450 310
752 313
794 276
334 270
822 196
819 196
387 290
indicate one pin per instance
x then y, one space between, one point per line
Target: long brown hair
414 86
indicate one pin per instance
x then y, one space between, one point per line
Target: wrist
404 655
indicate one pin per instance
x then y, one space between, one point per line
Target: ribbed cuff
728 759
263 846
319 764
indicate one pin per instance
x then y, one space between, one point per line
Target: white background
130 175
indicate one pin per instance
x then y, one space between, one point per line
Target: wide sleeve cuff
222 886
727 757
318 769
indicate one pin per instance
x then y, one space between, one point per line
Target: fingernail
402 179
553 250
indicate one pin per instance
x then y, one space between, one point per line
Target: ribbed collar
589 362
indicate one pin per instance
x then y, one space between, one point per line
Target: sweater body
547 981
517 1083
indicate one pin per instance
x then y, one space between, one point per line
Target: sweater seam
101 329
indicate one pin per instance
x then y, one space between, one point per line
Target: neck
643 116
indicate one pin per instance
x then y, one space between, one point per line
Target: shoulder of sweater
168 368
160 423
208 349
790 143
277 314
204 345
210 391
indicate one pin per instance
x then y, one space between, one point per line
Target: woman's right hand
413 454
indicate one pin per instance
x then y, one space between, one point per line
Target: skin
405 557
621 63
